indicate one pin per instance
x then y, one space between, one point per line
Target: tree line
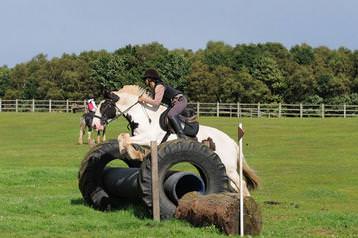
250 73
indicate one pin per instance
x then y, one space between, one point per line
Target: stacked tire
206 161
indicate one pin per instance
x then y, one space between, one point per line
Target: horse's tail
251 178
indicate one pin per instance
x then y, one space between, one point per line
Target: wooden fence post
198 109
258 110
217 109
33 105
67 108
344 110
50 105
301 110
238 110
155 180
279 110
322 110
0 105
16 105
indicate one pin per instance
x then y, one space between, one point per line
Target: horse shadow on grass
136 206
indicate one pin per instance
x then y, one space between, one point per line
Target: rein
121 113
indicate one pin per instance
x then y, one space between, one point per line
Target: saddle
187 117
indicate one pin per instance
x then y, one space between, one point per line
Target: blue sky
54 27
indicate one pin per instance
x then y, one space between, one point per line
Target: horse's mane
134 90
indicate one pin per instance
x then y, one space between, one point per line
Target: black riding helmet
152 74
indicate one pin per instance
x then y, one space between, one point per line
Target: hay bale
221 210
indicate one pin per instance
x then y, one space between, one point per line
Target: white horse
147 129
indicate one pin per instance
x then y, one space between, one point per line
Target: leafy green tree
18 76
266 70
218 53
174 70
280 54
226 85
302 54
300 85
200 83
251 90
341 62
108 71
338 86
4 80
245 56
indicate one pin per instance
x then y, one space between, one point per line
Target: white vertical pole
279 110
344 110
33 105
322 110
0 105
241 188
155 181
67 105
198 109
258 109
16 105
217 109
301 110
238 110
49 105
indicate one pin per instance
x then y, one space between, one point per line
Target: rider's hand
141 99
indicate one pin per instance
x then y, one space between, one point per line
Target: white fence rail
202 109
274 110
33 105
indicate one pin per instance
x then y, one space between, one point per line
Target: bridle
120 113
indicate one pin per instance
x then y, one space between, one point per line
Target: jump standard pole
240 135
155 181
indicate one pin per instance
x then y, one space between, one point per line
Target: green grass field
308 166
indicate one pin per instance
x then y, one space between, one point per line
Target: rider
173 98
91 105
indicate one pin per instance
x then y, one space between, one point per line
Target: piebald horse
86 124
146 120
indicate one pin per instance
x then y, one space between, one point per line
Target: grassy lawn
308 169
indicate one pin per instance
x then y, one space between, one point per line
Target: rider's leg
173 115
176 125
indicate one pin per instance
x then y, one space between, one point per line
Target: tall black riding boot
175 123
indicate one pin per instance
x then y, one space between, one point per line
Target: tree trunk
221 210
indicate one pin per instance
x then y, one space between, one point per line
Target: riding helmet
152 74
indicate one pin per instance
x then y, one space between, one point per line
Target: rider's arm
159 92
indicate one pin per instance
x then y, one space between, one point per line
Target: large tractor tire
91 171
206 161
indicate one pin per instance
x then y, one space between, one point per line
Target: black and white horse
86 124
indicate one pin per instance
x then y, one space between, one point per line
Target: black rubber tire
170 153
90 173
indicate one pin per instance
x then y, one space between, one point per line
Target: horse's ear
107 94
114 97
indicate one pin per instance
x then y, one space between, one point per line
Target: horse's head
115 104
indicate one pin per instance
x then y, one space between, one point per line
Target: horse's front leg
82 131
90 141
80 139
104 134
98 139
126 145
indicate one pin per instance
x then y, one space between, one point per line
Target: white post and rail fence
255 110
